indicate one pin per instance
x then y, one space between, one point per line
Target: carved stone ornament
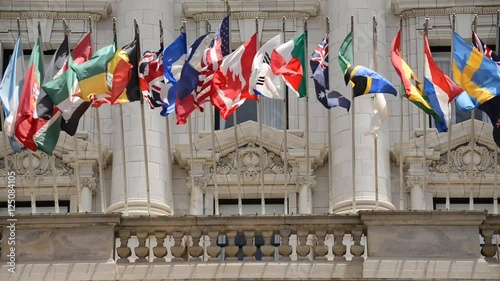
309 181
200 182
482 161
19 163
250 162
90 183
414 180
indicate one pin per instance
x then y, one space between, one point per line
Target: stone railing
233 238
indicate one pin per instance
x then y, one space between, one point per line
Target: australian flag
319 67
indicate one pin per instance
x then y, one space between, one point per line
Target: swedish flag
366 81
478 75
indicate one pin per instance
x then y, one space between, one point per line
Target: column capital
306 181
199 182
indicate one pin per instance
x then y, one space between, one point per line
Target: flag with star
319 67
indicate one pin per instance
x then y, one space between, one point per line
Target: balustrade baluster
213 250
249 249
123 251
488 250
231 248
178 249
339 249
285 248
267 249
160 251
320 249
357 250
195 251
141 251
303 249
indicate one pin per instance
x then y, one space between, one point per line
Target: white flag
263 81
379 114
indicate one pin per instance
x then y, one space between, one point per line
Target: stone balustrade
246 238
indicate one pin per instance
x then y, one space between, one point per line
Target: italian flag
288 61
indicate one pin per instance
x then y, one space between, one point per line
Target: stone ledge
415 218
48 221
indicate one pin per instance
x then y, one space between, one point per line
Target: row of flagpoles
207 74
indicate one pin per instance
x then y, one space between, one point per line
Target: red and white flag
231 81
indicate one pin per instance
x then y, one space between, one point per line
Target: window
45 207
252 206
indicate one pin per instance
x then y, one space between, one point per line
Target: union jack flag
483 48
151 78
320 54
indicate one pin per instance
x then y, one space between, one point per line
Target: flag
188 81
492 108
478 75
58 65
10 91
211 60
122 76
319 68
413 88
366 81
232 80
263 81
483 48
35 133
289 61
440 89
64 90
91 75
379 105
345 53
173 55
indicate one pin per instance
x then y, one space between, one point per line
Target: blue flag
319 67
172 66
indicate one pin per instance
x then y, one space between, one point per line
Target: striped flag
211 61
10 91
440 89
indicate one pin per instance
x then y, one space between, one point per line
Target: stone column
305 187
197 192
147 16
340 13
417 198
88 182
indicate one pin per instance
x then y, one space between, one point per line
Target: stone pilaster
340 13
147 15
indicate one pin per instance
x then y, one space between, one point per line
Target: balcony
370 244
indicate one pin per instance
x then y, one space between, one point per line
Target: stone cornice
55 9
411 8
62 220
215 9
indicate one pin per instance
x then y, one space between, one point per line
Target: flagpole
353 133
285 127
143 121
122 140
472 133
235 124
375 136
167 120
495 185
330 146
261 150
214 162
401 182
450 127
424 122
308 163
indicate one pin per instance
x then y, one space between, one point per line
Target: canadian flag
232 80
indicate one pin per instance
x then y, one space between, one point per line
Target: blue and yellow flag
478 75
366 81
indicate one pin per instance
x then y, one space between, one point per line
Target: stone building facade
238 205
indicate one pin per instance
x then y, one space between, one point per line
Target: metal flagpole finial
228 8
39 29
65 26
136 26
209 27
374 24
498 18
18 26
114 25
90 24
327 19
283 20
401 21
